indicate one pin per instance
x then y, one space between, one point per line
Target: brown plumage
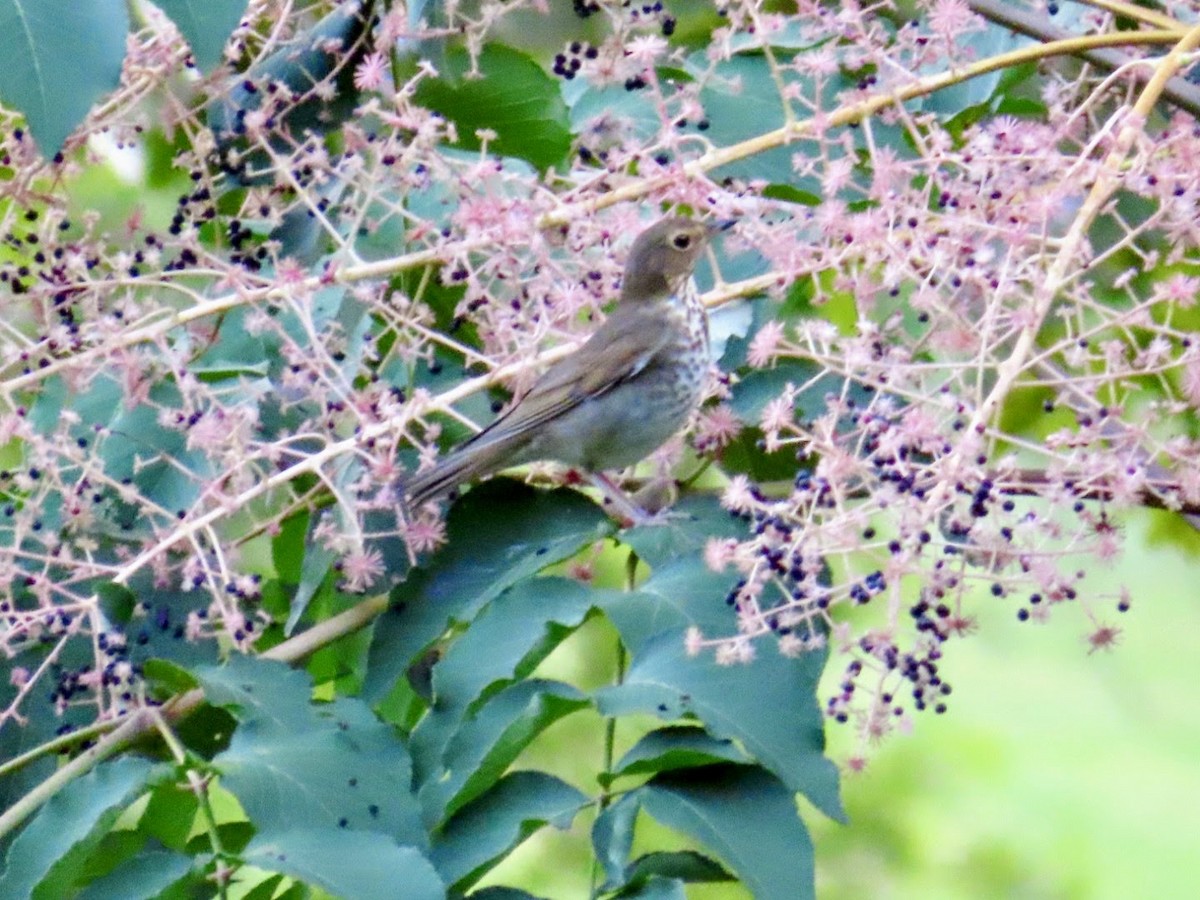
623 393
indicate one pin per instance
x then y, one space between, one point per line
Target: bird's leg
627 509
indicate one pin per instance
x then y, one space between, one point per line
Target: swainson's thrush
623 393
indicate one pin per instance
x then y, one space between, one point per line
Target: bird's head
663 256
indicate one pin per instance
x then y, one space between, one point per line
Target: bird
621 395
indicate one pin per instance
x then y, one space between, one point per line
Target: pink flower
719 553
950 17
716 427
371 72
738 495
361 568
646 48
1180 290
424 533
764 347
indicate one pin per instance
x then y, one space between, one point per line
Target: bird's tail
481 456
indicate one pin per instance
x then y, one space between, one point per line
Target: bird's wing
621 348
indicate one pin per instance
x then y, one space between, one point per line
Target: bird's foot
649 506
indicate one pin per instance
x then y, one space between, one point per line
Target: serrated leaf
205 24
684 865
482 749
655 888
169 677
275 697
486 829
513 634
511 95
768 705
747 817
681 591
169 815
59 59
147 875
693 520
355 864
677 747
612 837
45 859
759 387
745 454
499 533
314 570
290 760
501 638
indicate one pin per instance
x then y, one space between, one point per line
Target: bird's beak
715 228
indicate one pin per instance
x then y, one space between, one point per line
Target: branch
1178 91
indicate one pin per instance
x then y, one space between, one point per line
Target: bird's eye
682 241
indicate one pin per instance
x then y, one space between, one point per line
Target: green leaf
169 815
275 697
268 889
239 358
506 641
314 571
288 547
598 105
612 837
484 747
46 858
694 519
511 95
59 59
655 888
501 892
207 731
759 387
511 636
768 705
746 455
992 40
206 24
354 864
677 747
499 533
291 760
116 602
684 865
329 48
148 874
681 590
486 829
169 677
747 817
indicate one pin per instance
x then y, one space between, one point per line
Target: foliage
955 324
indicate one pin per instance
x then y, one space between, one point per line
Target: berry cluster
568 63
